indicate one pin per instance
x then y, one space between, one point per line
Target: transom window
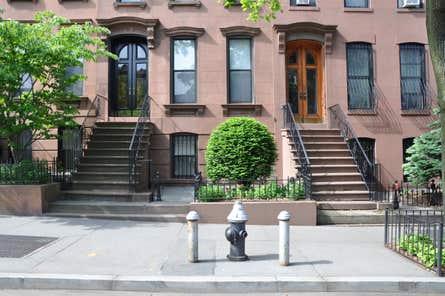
183 53
409 4
360 76
412 76
357 3
240 70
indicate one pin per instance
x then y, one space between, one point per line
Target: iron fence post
395 202
158 186
439 251
386 225
198 180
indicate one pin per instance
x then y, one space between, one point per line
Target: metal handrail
135 144
303 159
364 165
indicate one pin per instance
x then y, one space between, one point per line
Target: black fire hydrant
236 233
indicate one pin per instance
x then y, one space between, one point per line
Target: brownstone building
202 63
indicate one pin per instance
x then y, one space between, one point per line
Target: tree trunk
435 23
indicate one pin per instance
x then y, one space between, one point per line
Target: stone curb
213 284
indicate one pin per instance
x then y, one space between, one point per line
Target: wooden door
304 80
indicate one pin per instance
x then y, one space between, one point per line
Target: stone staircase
336 181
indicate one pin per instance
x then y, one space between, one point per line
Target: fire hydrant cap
284 216
238 214
192 216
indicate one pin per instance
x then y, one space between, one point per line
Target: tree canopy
34 83
257 9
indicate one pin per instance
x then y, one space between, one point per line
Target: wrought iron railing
136 144
417 96
365 166
303 159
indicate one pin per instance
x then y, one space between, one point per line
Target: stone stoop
335 176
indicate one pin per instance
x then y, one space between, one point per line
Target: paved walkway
127 248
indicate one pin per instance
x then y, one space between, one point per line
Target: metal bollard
284 218
192 229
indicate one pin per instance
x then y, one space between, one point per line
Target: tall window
183 52
303 3
76 88
402 4
360 76
184 155
357 3
240 70
412 76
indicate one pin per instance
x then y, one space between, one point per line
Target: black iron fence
417 235
291 188
406 195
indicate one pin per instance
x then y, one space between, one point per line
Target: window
184 155
27 84
303 3
412 76
183 52
76 88
407 142
68 146
368 146
357 3
408 4
360 76
240 70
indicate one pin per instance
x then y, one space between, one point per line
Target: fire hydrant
236 233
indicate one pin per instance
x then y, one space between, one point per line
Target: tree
257 9
435 23
240 149
34 83
424 160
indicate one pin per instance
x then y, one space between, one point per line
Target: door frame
116 43
316 47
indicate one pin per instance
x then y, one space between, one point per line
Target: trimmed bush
240 149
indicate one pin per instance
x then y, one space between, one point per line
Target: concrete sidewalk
128 255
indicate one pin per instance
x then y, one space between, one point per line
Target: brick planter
260 212
27 200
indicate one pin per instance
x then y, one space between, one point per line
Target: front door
129 77
304 80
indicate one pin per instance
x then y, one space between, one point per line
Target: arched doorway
305 79
128 76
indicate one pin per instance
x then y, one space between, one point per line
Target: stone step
326 152
105 130
117 124
105 159
339 186
336 177
323 138
325 145
361 195
113 207
328 217
103 167
332 168
173 218
347 205
340 160
104 195
330 132
113 144
115 137
101 185
108 151
100 176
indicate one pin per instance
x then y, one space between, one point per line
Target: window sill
242 109
172 4
82 103
11 1
142 4
304 8
362 112
410 10
184 109
62 1
359 10
416 113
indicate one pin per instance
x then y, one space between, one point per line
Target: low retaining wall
260 213
27 200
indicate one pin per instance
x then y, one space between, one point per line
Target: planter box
260 212
27 200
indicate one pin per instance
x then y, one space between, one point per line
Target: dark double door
129 79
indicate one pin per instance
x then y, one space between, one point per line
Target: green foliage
240 149
257 9
421 247
42 51
424 160
270 190
25 172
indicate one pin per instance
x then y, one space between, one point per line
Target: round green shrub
240 149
